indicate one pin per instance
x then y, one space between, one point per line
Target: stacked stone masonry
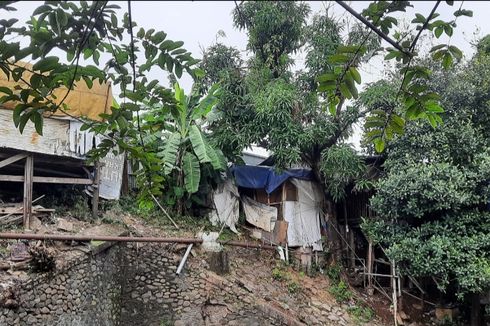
135 284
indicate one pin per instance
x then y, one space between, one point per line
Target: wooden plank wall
61 137
55 139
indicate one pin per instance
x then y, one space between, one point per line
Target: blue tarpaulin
261 177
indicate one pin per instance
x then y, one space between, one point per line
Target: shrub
340 292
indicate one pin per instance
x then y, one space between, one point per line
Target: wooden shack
59 155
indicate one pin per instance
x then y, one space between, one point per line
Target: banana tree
186 152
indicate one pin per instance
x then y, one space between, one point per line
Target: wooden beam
20 178
28 176
12 159
12 178
78 181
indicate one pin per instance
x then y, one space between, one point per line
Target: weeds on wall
339 289
281 274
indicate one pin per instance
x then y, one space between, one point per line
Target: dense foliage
264 103
189 161
302 117
433 201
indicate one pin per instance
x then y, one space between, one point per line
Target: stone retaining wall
155 295
134 284
84 291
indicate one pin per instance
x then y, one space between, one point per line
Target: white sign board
111 174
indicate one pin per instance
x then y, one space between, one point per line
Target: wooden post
352 248
395 301
95 186
370 262
28 177
475 313
125 177
345 234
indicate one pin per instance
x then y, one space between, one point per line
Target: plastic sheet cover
260 177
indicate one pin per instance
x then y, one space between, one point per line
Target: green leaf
6 90
434 107
38 122
448 30
23 121
46 64
198 144
158 37
61 18
352 87
392 54
439 54
379 145
114 20
432 121
355 74
327 86
447 61
326 77
344 90
141 33
19 108
437 47
216 160
332 108
456 52
96 57
42 9
70 55
463 12
169 153
192 173
438 31
88 82
338 58
348 49
178 70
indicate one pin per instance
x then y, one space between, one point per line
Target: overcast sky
198 22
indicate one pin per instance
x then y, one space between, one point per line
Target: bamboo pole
163 209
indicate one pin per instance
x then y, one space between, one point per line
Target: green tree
275 29
84 31
266 104
188 159
433 201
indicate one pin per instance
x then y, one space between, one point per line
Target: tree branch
372 27
133 65
412 47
